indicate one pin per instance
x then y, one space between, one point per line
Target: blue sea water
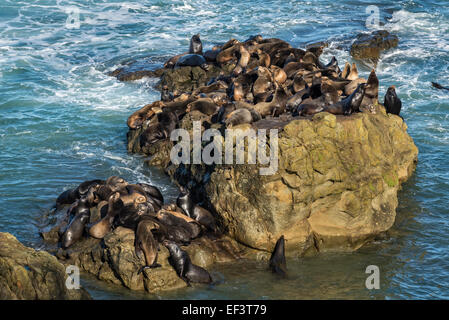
63 121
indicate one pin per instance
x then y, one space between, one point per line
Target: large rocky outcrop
336 187
370 45
29 274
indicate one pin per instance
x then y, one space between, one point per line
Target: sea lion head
116 183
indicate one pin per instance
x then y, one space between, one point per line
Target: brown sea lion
203 105
146 244
138 118
104 226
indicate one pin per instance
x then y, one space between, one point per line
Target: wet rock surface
370 46
28 274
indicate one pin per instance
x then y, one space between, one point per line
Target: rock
335 189
27 274
114 260
369 46
187 79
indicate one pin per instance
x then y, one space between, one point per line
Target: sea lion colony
269 78
141 207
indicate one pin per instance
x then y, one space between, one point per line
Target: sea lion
354 73
238 116
346 70
277 259
211 55
344 107
227 54
439 86
71 195
204 217
153 192
103 227
196 47
279 74
392 102
137 119
192 60
184 267
74 230
236 91
166 95
176 219
333 64
146 243
170 63
371 96
161 130
203 105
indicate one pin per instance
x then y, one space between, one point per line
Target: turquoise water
63 121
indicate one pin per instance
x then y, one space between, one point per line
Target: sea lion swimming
439 86
184 267
277 259
392 102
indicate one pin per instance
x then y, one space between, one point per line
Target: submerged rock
27 274
369 46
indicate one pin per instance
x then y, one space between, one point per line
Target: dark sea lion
211 55
175 219
392 102
224 111
185 202
371 91
344 107
161 130
152 191
67 197
203 105
230 43
170 63
192 60
277 260
332 64
196 47
184 267
104 226
74 230
439 86
204 217
350 104
146 243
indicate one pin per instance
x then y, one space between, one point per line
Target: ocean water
63 121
